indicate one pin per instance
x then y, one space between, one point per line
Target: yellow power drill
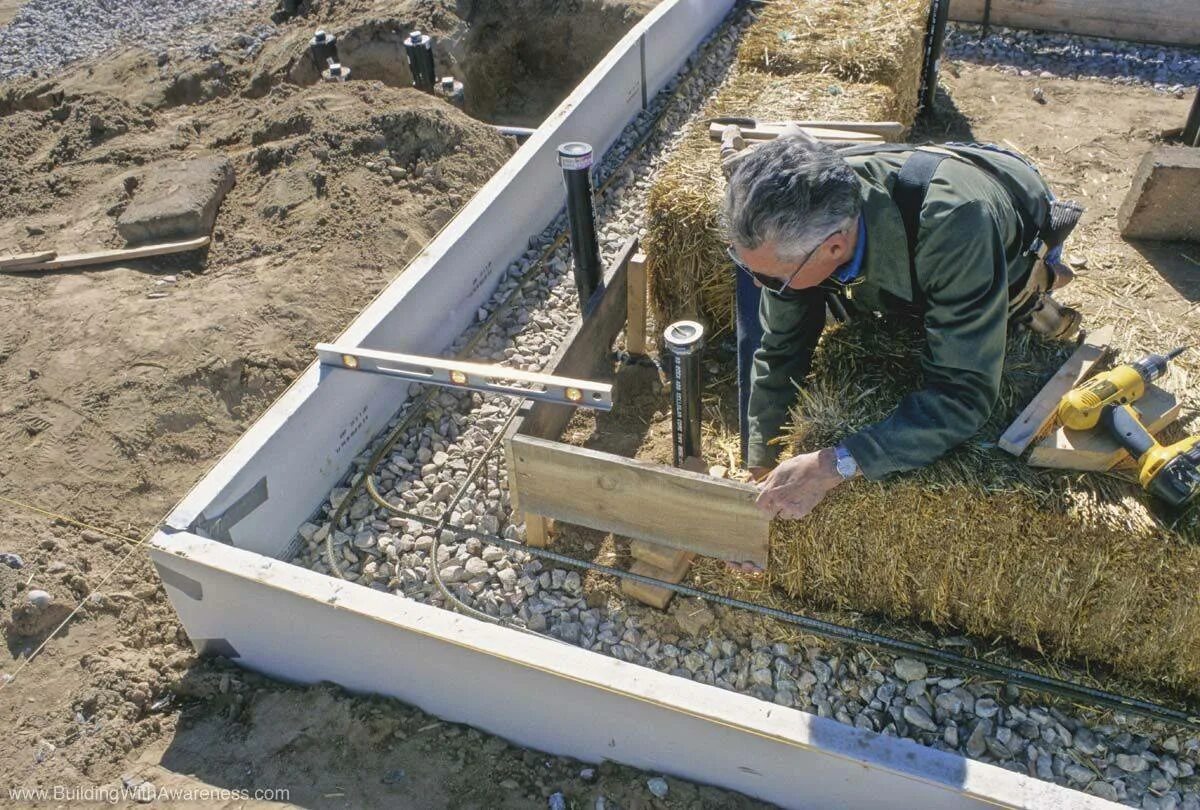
1080 409
1170 472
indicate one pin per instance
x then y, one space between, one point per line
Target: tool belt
1033 307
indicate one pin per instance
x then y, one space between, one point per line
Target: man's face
797 274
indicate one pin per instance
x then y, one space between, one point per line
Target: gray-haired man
951 236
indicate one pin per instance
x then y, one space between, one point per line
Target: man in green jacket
808 223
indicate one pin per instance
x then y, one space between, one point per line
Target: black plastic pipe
575 160
419 49
323 46
684 340
935 36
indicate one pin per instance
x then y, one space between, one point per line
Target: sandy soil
112 403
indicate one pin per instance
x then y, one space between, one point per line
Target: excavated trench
517 60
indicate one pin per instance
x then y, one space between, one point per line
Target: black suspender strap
912 184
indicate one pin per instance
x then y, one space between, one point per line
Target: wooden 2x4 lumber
1171 22
37 257
768 132
586 348
110 256
677 508
1039 413
1096 450
635 325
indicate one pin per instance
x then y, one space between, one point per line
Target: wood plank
27 258
99 257
1171 22
1096 450
640 500
635 321
1039 413
654 595
656 555
586 348
769 131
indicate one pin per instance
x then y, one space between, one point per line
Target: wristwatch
847 467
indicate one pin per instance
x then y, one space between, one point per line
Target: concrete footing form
220 552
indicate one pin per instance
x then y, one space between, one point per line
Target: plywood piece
1172 22
100 257
1039 413
653 595
640 500
1096 450
36 257
635 322
656 555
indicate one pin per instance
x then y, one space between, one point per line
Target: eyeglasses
773 284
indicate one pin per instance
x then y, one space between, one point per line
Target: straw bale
1075 566
861 41
689 273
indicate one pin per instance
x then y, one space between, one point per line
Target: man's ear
839 247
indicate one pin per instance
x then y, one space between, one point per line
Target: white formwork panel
304 627
288 461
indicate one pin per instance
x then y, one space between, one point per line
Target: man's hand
795 487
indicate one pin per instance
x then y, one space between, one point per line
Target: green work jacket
969 253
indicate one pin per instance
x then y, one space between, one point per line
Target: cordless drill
1170 472
1080 409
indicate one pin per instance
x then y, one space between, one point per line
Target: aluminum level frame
220 551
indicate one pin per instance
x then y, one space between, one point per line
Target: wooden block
640 500
656 555
763 131
27 258
1160 203
1096 450
110 256
1039 413
635 322
1172 22
653 595
538 530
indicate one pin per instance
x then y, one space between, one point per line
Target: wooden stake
635 325
110 256
27 258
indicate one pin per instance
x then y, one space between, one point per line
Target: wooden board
1096 450
1039 413
677 508
27 258
653 595
767 132
586 349
1172 22
538 530
110 256
635 322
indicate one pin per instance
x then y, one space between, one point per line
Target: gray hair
791 191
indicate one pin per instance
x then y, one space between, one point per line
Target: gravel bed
1110 755
46 35
1031 53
